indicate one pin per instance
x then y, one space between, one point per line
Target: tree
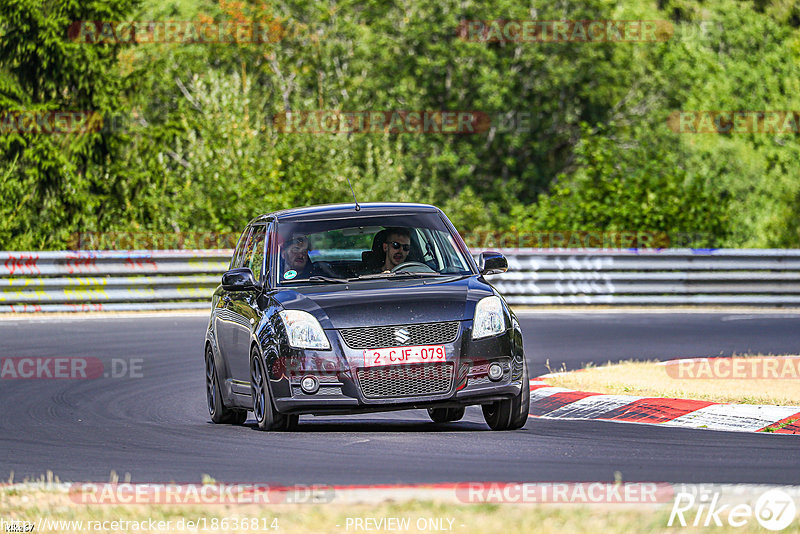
46 186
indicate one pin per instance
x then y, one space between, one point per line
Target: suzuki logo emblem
401 336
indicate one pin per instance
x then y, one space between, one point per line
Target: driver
396 247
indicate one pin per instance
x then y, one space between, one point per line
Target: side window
236 260
430 250
255 251
250 248
268 252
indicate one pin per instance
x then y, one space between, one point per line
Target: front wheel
446 415
267 417
510 414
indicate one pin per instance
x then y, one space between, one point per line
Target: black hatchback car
346 309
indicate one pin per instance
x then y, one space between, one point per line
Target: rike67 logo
774 509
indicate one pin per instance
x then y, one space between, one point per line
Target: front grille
375 337
324 391
405 380
479 381
485 380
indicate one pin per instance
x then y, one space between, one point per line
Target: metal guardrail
109 280
152 280
652 276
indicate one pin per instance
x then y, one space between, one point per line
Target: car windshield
340 250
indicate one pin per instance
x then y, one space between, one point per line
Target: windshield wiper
326 279
412 273
374 275
398 274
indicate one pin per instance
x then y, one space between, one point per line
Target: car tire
510 414
446 415
267 417
216 409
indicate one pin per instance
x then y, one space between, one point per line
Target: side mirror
492 263
241 279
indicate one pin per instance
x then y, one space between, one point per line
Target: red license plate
404 355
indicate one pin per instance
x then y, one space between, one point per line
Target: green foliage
45 190
635 185
578 138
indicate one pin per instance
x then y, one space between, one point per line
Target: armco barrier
109 280
652 276
150 280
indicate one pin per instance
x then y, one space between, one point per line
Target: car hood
388 302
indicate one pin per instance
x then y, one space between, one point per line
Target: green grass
48 499
31 505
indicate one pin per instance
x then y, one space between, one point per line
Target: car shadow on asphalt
380 425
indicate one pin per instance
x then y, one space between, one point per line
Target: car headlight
489 318
303 330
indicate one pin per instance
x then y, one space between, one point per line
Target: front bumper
344 390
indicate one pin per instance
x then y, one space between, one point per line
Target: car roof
336 211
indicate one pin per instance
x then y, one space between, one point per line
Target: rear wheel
216 409
446 415
510 414
267 417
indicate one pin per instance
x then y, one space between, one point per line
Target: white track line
593 407
741 417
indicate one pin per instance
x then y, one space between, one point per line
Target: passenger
295 263
396 247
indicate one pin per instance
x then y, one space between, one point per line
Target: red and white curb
559 403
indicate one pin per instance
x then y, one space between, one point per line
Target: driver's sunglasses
396 246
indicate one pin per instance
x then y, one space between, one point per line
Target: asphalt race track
154 425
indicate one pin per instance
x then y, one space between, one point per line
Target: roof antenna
358 208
